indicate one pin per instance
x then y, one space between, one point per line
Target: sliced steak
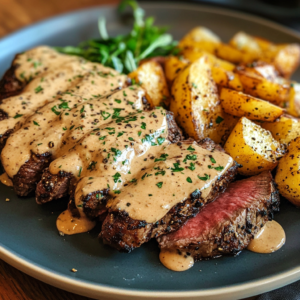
227 225
30 173
124 233
9 84
55 186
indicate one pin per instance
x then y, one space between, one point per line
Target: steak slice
9 84
124 233
55 186
227 225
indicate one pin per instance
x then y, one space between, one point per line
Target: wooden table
14 14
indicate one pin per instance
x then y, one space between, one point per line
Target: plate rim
82 287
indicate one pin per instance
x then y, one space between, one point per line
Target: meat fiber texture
227 225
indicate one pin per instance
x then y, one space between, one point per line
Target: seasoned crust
125 234
24 182
234 235
9 84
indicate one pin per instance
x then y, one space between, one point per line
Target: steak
9 84
124 233
227 225
55 186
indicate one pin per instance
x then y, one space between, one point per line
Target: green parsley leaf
159 184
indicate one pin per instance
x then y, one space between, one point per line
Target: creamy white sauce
176 260
269 239
69 225
6 180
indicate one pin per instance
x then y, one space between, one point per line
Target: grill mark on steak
125 234
9 84
227 225
55 186
30 173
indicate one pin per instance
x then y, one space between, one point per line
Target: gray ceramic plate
28 237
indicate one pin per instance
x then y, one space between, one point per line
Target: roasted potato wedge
173 65
257 85
293 104
227 79
242 105
253 147
195 103
152 78
288 174
284 129
192 54
201 36
229 53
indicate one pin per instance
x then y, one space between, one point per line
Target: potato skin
288 173
195 103
152 78
173 66
256 85
243 105
242 146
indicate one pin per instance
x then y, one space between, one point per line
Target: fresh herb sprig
124 52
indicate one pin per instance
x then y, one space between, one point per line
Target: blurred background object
15 14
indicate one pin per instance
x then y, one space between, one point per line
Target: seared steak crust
125 234
52 185
55 186
9 84
235 233
30 173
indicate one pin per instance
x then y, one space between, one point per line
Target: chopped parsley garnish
143 125
64 105
17 116
219 120
190 157
190 148
139 133
82 109
116 113
159 184
65 128
144 176
160 140
177 168
38 89
160 173
116 177
36 123
189 180
212 160
219 168
92 165
54 110
79 171
117 191
163 157
125 95
150 195
194 85
40 144
131 139
105 115
133 180
72 127
116 151
192 166
204 178
118 101
120 133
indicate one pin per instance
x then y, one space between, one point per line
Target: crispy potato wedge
253 147
229 53
152 78
199 35
284 129
173 65
193 54
226 79
195 103
288 174
243 105
293 104
255 84
285 58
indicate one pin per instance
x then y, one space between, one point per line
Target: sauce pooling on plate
269 239
6 180
176 260
67 224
